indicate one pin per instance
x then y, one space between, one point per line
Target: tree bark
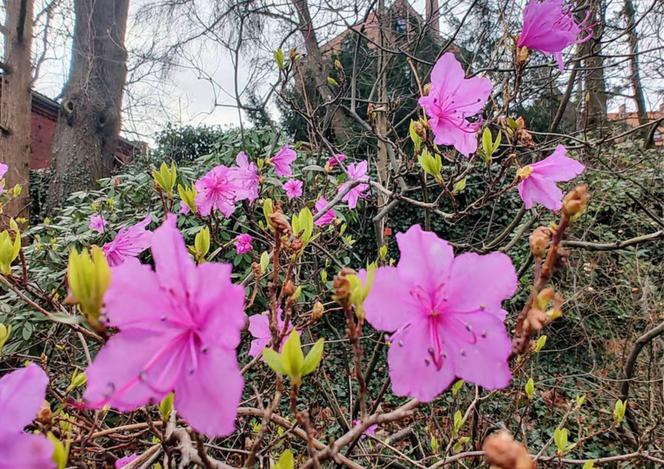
595 82
634 74
433 16
89 123
319 68
16 102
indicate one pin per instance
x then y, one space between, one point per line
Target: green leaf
166 407
458 422
539 345
619 412
459 186
487 142
530 389
435 445
264 262
417 140
306 219
292 357
313 358
496 143
456 387
331 81
560 436
274 361
589 464
279 58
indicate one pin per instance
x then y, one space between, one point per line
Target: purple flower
129 242
21 395
445 314
371 429
217 190
178 331
538 180
259 328
335 160
246 178
97 223
328 217
3 170
122 462
243 243
282 161
451 101
356 172
549 27
293 188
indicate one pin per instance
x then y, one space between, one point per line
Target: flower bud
88 276
342 286
426 90
544 298
278 220
503 452
5 334
576 201
539 240
317 311
9 249
289 288
536 319
44 414
522 54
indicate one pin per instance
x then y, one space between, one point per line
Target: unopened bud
544 298
342 287
522 54
289 288
317 311
536 319
279 221
420 130
426 90
539 240
44 414
503 452
576 201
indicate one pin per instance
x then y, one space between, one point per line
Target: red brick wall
43 131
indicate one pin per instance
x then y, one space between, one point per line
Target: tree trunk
319 69
433 16
88 127
16 102
634 76
595 118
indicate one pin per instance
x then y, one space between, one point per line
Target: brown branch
615 245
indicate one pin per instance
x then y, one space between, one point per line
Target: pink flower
178 331
451 101
21 395
538 180
122 462
371 429
282 161
217 190
327 217
246 178
335 160
243 243
356 172
445 314
3 170
549 27
293 188
259 328
97 223
129 242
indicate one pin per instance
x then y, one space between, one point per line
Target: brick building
631 119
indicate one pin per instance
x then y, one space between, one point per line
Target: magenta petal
131 300
545 192
558 166
389 304
21 395
412 370
425 258
118 374
175 268
26 451
208 399
480 283
479 348
447 73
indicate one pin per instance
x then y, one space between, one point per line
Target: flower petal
26 451
558 166
21 395
480 283
175 268
208 399
412 370
389 305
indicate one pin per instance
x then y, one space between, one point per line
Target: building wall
43 132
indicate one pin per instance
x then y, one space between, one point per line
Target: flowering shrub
237 298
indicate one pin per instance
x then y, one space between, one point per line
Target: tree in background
16 99
89 123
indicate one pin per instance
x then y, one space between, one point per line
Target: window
400 25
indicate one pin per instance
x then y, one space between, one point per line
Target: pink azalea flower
217 190
445 314
451 101
177 332
129 242
335 160
538 180
293 188
327 217
3 170
97 223
184 209
246 178
356 172
122 462
243 243
371 429
21 395
259 328
282 161
549 27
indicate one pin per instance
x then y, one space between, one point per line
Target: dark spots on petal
482 307
143 376
484 334
468 328
204 349
427 362
163 318
110 389
462 352
400 343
